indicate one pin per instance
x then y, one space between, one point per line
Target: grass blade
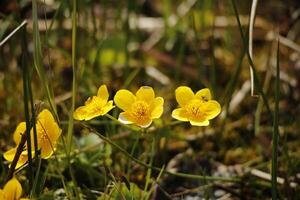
74 69
275 129
26 105
37 58
74 88
256 79
251 25
178 174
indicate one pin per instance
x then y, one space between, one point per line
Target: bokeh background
164 44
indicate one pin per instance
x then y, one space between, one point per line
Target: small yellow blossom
10 154
95 106
48 133
12 190
197 108
141 108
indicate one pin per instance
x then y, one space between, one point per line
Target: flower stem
275 129
179 174
16 157
149 171
132 152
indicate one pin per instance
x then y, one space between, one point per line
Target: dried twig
250 42
16 158
13 32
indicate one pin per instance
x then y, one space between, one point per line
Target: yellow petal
179 114
202 123
80 113
48 133
2 195
157 108
144 123
46 124
212 109
145 93
124 99
21 128
12 189
203 94
184 95
92 108
10 154
107 107
47 149
103 93
22 161
125 118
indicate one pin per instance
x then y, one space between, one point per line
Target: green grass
84 44
276 128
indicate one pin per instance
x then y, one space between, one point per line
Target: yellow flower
48 133
12 190
95 106
197 108
10 154
139 109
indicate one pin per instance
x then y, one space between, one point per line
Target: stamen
194 109
140 110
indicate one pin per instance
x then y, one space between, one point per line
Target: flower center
95 104
140 110
194 109
42 133
43 137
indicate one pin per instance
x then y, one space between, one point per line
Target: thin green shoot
275 129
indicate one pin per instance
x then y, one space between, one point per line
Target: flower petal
93 108
46 124
103 93
48 133
80 113
212 109
21 128
184 95
203 94
12 189
179 114
2 194
124 118
145 93
47 149
107 107
158 108
10 154
202 123
146 124
124 99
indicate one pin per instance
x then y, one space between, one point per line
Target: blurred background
165 44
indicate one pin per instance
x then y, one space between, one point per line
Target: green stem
71 120
132 152
149 171
256 79
26 107
179 174
74 69
275 129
